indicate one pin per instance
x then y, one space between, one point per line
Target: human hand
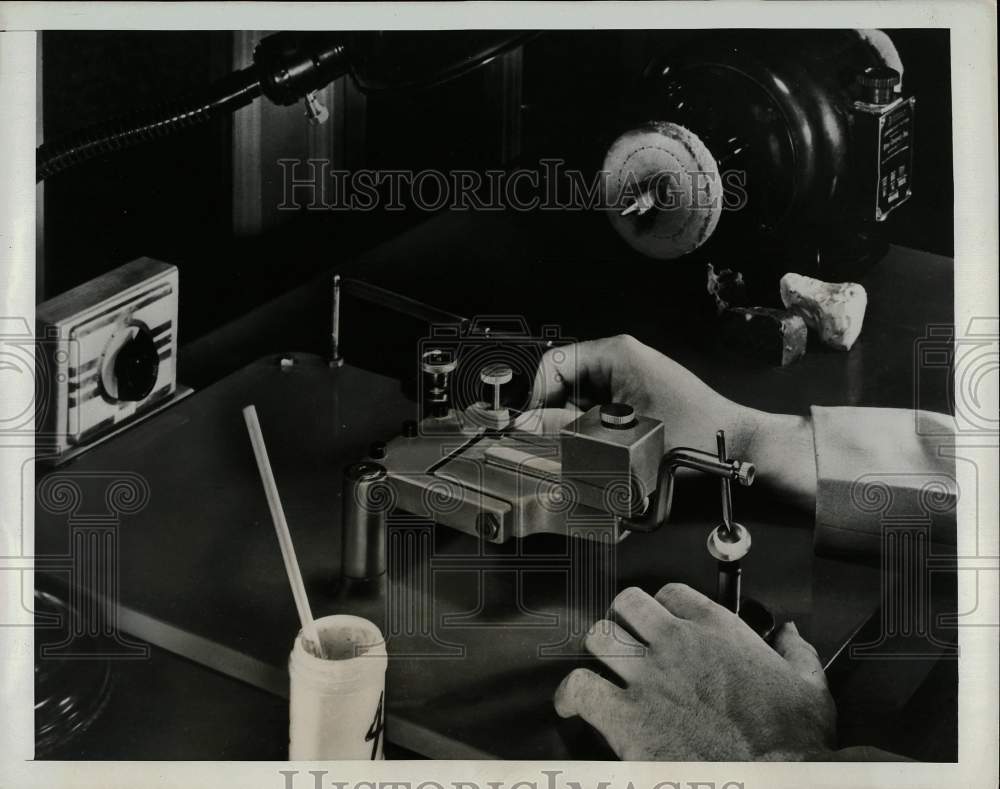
622 369
699 684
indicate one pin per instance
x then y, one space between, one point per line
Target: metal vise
494 476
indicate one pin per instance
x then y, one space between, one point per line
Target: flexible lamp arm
286 67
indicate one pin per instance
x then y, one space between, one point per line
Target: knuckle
672 591
600 637
626 341
597 635
808 648
628 597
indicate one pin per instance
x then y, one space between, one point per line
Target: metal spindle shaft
728 589
727 491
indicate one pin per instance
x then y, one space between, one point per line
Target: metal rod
335 357
400 303
727 491
728 590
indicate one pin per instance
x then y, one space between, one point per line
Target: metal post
367 500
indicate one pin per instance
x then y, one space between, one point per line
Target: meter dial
130 365
663 190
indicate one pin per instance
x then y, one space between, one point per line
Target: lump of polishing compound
834 310
775 336
727 288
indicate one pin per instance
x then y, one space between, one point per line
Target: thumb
579 373
800 655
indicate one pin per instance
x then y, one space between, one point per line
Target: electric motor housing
809 131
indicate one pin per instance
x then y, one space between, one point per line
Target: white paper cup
336 705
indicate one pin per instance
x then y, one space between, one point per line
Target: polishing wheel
663 190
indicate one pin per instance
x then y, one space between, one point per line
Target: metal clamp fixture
729 543
658 513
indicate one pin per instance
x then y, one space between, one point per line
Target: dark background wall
170 199
174 199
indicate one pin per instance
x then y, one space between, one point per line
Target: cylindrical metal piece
728 591
728 546
437 366
496 375
367 501
879 84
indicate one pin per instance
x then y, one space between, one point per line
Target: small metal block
598 460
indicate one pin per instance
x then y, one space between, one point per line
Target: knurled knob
438 362
496 374
879 83
617 415
131 369
746 473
